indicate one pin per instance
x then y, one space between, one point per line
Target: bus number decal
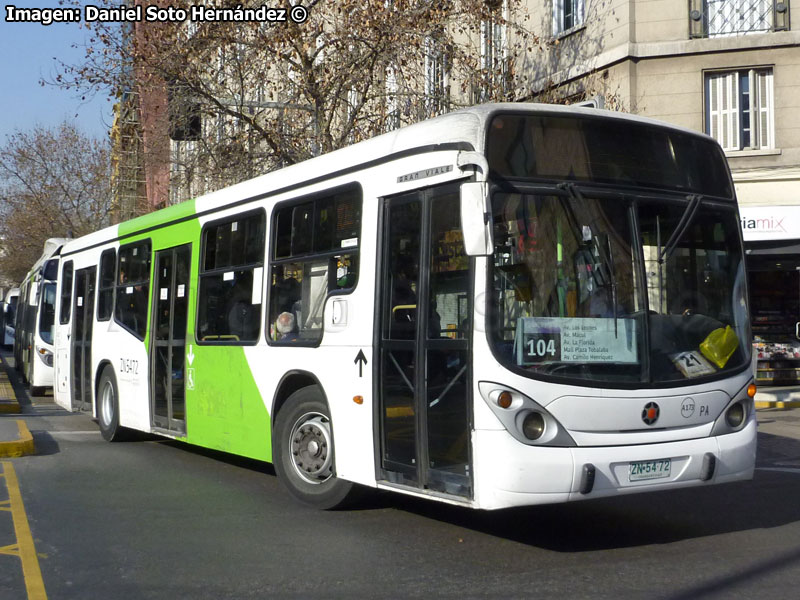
129 366
543 345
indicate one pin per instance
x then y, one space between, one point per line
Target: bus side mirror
476 218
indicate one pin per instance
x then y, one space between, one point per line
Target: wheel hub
107 404
312 455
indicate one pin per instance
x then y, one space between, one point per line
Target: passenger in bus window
287 327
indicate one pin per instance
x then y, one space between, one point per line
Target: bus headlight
45 355
523 417
736 414
533 425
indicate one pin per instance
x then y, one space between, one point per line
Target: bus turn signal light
504 399
358 399
751 390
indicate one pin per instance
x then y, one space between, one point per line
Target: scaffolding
128 176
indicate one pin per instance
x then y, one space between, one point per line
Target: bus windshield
632 291
605 151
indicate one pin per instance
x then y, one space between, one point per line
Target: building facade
729 68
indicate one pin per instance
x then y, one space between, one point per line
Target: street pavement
156 519
778 412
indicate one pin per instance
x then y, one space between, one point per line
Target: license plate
649 469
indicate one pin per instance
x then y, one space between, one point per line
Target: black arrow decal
361 360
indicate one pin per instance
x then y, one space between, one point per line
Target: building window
567 14
392 99
720 18
494 51
314 253
437 86
739 109
133 284
231 275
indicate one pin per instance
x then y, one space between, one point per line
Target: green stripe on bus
159 217
224 410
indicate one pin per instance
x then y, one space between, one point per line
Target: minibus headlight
533 425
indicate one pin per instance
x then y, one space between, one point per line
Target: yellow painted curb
20 447
778 404
10 408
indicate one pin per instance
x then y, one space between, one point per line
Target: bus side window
229 308
105 294
314 253
133 285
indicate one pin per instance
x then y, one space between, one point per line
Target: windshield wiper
606 258
695 200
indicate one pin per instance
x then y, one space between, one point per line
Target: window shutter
712 100
732 84
558 16
723 109
762 83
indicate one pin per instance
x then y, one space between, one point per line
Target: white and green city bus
35 320
10 316
508 305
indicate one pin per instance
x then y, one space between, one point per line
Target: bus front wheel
108 405
302 445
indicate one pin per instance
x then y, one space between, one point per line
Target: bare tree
239 98
54 182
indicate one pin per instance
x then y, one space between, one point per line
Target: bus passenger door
425 312
82 320
170 310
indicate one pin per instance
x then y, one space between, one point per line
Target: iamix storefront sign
770 223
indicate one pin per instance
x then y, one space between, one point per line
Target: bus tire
108 406
302 445
36 390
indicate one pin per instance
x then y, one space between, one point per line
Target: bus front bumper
508 473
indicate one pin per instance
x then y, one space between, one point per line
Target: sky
28 51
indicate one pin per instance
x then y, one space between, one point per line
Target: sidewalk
778 397
15 439
8 399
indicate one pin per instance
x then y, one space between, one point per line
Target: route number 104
541 347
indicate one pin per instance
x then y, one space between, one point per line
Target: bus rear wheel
303 452
108 406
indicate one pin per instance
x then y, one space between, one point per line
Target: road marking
24 547
779 469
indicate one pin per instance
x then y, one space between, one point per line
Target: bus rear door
170 310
